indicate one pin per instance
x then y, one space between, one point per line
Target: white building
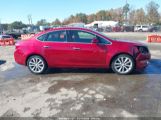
76 25
102 24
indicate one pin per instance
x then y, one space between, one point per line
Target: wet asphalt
83 92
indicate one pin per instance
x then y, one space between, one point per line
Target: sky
18 10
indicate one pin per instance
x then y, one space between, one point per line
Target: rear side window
57 36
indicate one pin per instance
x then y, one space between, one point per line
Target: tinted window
81 36
42 37
145 26
57 36
102 40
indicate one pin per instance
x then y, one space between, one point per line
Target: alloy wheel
123 64
36 64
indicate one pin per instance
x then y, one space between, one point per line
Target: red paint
79 55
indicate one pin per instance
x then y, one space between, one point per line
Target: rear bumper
142 61
19 57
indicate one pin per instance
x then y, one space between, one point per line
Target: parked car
80 48
15 35
108 29
116 29
99 29
142 28
154 29
127 29
4 37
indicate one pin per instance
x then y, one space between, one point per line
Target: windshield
106 35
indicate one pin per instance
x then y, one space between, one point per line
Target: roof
64 28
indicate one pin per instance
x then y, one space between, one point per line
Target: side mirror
95 41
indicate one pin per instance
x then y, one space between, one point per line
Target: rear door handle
47 47
74 48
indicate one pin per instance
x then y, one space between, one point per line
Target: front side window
102 40
81 36
57 36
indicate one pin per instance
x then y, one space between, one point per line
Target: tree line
124 15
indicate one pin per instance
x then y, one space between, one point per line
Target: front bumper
142 61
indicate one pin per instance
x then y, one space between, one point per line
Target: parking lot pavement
79 92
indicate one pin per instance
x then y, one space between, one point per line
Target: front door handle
74 48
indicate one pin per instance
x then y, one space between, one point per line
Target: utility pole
126 10
29 19
126 13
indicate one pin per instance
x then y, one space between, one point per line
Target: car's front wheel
36 64
123 64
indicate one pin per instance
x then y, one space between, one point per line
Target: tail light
17 45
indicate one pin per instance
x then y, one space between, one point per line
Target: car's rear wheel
123 64
36 64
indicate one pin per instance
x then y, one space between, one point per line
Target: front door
84 53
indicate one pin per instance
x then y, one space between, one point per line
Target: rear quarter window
42 37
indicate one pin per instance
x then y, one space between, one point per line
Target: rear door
83 52
56 49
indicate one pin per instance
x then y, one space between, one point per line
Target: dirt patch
11 113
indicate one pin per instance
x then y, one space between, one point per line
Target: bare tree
126 10
152 12
56 22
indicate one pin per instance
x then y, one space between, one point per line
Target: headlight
143 49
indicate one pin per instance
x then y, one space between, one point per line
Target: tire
123 64
36 64
140 30
154 31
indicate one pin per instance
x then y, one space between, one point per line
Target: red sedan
80 48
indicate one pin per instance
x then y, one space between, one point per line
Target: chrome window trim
52 41
67 29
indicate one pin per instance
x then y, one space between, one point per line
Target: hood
130 42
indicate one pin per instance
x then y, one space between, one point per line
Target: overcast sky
13 10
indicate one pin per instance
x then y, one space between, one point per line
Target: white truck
142 28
